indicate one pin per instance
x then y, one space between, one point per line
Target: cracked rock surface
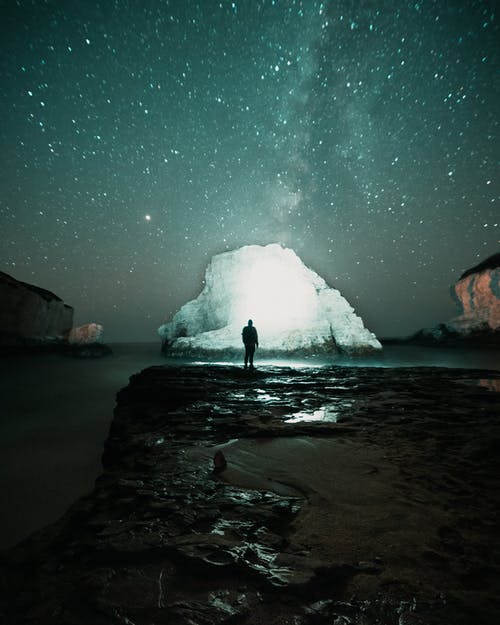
337 495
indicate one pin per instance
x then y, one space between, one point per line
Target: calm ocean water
55 414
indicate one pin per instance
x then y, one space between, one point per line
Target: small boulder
220 462
85 334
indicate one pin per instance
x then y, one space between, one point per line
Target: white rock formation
293 308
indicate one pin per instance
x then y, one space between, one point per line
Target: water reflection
404 355
325 414
263 396
224 526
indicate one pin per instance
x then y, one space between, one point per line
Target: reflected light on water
263 396
391 356
294 364
325 414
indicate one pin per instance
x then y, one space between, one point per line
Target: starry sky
140 138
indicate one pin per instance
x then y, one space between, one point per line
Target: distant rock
477 294
85 334
293 308
86 342
31 317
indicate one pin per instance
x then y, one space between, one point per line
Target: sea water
55 414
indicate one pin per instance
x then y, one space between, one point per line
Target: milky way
141 138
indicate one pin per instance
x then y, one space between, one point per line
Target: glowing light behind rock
292 307
275 295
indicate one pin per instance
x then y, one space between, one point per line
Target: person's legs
251 352
247 350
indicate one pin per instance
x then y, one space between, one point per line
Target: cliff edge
477 295
30 315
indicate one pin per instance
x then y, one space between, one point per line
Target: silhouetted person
251 341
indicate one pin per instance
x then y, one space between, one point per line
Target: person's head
250 322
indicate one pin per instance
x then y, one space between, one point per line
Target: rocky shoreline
346 495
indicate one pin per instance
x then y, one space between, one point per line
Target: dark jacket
250 336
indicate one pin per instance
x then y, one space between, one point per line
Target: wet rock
162 538
220 462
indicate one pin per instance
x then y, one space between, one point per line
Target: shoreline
52 437
390 497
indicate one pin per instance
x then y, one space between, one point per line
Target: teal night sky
141 138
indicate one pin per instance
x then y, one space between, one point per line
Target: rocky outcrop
477 295
83 335
340 495
31 315
293 308
86 342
